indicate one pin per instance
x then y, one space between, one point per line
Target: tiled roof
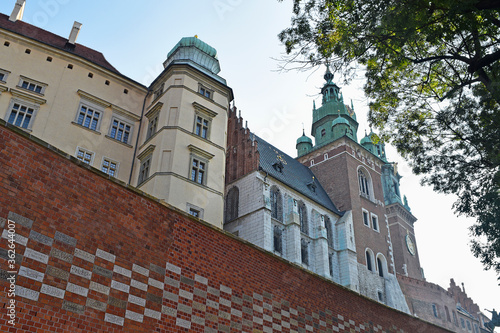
293 174
48 38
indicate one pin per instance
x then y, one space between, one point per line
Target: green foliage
433 79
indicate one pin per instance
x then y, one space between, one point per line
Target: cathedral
335 210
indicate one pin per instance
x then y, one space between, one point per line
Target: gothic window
369 262
304 225
278 240
232 202
329 231
330 264
381 265
304 251
276 204
364 183
435 311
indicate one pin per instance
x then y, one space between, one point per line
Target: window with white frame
145 168
202 126
120 130
364 183
152 126
381 265
208 93
21 114
89 117
194 210
198 171
109 167
366 218
32 85
375 222
85 155
369 259
3 75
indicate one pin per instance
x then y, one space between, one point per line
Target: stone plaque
21 240
185 294
172 282
56 253
225 302
27 293
171 296
58 273
136 300
236 313
35 255
212 304
24 221
200 293
157 269
114 319
65 239
201 279
69 306
52 291
2 222
213 291
154 298
183 323
94 304
117 302
103 272
76 289
4 275
78 271
31 274
41 238
184 308
134 316
140 270
84 255
169 311
122 271
138 285
4 253
187 281
120 286
99 288
226 290
173 268
155 283
152 314
105 255
198 320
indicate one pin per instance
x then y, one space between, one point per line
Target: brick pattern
95 256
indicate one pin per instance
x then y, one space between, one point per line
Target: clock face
410 245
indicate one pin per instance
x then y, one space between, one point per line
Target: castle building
160 138
336 210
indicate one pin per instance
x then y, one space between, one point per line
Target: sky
136 36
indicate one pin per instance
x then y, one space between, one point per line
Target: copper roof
58 42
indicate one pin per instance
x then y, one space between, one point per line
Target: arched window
381 265
276 204
364 183
278 240
329 231
304 225
232 203
369 260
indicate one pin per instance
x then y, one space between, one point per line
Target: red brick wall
102 253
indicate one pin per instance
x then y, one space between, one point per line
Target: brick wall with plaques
93 255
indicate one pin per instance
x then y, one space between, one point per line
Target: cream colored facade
69 96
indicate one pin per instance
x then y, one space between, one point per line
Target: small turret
304 144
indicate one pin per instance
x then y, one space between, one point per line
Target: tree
433 80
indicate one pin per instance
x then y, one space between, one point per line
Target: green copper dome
198 43
304 139
367 139
340 120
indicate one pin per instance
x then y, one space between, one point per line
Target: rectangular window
330 264
88 117
21 115
375 222
144 171
152 125
110 167
201 127
84 155
198 171
278 240
120 131
205 92
33 86
194 212
366 220
2 77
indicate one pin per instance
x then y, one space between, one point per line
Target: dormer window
278 166
312 186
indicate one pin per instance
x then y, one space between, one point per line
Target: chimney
74 33
17 13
